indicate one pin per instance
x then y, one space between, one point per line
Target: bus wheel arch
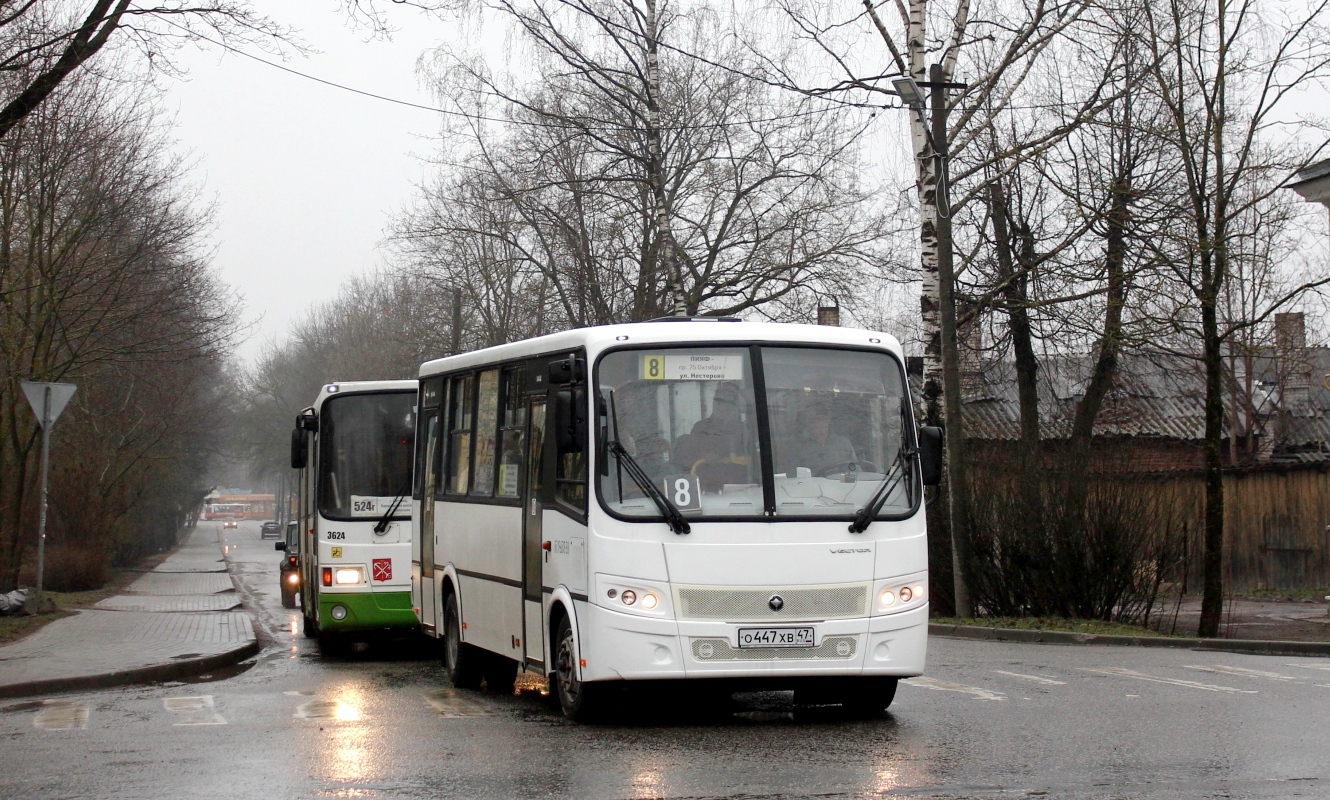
463 664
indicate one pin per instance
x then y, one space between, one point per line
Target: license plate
775 637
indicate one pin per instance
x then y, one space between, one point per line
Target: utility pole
457 321
957 483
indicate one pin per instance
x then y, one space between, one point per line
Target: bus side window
512 432
487 427
459 437
570 459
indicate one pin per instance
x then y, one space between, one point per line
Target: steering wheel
843 467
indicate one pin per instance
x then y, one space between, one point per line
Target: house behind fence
1151 432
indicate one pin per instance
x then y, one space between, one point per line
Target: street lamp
908 91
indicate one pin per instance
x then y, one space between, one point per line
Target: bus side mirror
569 422
930 455
279 546
299 449
567 370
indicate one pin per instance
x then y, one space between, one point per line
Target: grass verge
66 603
1052 624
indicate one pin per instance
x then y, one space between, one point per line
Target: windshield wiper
382 525
864 517
668 510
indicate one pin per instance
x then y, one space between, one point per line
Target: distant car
230 523
289 574
270 530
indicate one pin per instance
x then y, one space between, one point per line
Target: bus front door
533 553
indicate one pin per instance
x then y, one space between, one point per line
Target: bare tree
100 264
623 169
1223 72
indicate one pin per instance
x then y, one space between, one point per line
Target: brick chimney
1292 365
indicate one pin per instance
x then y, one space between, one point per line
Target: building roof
1155 396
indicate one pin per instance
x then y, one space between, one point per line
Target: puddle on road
328 709
197 710
451 703
61 715
221 673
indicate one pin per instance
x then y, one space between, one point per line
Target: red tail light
290 559
327 576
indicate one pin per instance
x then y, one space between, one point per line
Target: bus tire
870 698
310 628
333 644
579 701
461 662
856 698
500 674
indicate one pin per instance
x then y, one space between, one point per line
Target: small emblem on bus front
776 603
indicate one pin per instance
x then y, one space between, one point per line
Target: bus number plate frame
776 637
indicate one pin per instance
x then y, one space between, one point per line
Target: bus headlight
896 595
633 596
348 575
293 578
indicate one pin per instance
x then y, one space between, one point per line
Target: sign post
48 400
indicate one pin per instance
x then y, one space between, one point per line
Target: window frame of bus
462 389
445 454
512 386
764 429
318 473
487 403
422 431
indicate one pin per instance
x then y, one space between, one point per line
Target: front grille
835 647
752 604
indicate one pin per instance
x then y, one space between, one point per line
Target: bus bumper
367 611
618 646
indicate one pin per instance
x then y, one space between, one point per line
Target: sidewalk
181 619
1266 627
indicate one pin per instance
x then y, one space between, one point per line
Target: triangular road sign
60 394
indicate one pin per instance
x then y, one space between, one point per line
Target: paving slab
98 648
225 601
178 583
194 562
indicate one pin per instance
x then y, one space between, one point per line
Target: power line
512 121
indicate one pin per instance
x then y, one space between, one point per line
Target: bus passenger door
533 554
428 592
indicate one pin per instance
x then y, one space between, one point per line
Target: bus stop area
181 619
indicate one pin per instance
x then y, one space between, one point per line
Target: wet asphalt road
988 721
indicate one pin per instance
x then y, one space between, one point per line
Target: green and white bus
353 448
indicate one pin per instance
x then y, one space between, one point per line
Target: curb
1248 646
158 672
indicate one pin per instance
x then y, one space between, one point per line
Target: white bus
711 503
354 448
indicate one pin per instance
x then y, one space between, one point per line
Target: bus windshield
365 455
833 422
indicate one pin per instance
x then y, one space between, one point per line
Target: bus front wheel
461 662
577 699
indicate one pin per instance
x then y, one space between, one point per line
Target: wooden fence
1275 525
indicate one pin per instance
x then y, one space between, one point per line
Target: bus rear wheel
461 661
579 701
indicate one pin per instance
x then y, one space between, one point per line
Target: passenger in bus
715 450
817 448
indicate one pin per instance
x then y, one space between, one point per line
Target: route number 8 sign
684 491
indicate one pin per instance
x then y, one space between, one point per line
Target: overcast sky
305 176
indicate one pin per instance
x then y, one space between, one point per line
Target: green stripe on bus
367 611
